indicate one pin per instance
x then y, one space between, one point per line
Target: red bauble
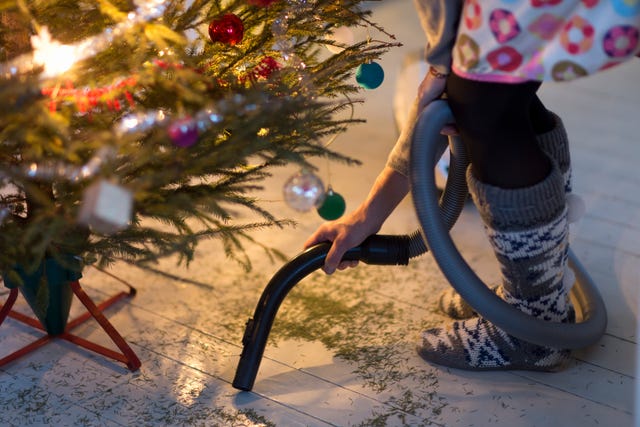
263 3
227 29
266 67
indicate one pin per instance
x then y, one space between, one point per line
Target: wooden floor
342 349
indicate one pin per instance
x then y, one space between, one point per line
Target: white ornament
106 207
304 191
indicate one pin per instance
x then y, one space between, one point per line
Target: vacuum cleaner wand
376 249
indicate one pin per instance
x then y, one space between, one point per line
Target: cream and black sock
528 231
555 144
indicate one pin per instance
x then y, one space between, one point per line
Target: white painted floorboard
341 352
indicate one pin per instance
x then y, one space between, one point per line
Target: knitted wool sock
528 231
555 144
453 305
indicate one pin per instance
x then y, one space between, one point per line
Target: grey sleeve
439 20
398 159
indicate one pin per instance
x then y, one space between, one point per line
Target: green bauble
333 206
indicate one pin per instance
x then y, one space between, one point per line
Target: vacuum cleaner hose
463 278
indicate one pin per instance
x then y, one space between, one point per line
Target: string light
60 170
57 58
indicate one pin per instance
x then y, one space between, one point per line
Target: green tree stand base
47 292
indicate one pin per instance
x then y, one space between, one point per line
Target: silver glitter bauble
304 191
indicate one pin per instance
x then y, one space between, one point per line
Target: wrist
437 74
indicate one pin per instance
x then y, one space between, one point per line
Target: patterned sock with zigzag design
555 144
528 231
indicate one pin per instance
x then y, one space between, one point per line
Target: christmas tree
131 130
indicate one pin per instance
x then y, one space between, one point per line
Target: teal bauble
369 75
333 206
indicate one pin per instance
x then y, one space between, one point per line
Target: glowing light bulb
55 57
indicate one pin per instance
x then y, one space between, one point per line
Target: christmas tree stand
53 329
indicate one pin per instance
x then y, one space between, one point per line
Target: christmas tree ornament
57 170
369 75
333 206
227 29
341 35
183 132
88 99
208 117
304 191
139 122
263 70
266 67
106 207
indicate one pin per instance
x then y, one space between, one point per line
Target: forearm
388 190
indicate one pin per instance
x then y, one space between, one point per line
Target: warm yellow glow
55 57
58 61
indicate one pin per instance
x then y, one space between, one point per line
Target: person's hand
349 231
344 233
431 88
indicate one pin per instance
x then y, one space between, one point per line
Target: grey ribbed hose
454 195
434 230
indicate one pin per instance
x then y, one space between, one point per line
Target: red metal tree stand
127 356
